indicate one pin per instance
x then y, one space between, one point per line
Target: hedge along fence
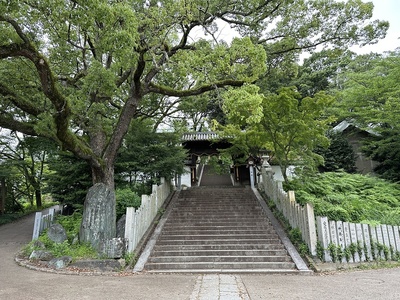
138 221
353 242
301 217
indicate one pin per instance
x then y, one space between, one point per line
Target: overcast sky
388 10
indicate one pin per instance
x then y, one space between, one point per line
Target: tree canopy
370 98
289 126
78 71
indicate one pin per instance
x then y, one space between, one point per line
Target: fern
350 197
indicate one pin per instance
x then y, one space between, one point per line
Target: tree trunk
103 174
283 170
38 197
3 193
99 215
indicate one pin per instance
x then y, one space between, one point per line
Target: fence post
397 237
391 237
347 237
386 237
360 240
36 226
374 239
129 227
323 236
287 208
340 234
51 213
353 237
367 240
312 234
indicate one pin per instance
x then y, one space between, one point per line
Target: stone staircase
218 229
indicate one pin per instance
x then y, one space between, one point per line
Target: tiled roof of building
200 136
342 126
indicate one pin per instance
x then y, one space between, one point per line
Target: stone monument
99 217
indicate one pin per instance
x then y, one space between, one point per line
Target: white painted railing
43 222
139 220
354 242
301 217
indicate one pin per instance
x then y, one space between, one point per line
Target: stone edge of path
24 262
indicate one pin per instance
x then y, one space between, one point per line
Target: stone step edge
208 252
233 271
226 247
286 265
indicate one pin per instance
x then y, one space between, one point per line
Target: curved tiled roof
200 136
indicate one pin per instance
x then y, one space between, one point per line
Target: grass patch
70 247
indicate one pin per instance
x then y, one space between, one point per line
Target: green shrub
296 238
126 198
71 224
70 247
337 213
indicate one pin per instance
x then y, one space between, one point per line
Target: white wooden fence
138 221
301 217
43 222
354 242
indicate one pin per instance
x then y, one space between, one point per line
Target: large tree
78 71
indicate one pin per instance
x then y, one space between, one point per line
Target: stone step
222 213
218 247
214 203
182 231
238 237
218 218
231 210
222 226
218 241
220 265
216 223
228 206
214 252
218 258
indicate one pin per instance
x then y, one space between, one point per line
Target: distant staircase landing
211 178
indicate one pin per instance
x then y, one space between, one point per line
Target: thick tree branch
19 102
127 112
167 91
49 88
24 127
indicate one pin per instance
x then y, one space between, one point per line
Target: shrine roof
200 136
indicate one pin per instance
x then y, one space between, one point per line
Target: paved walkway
20 283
